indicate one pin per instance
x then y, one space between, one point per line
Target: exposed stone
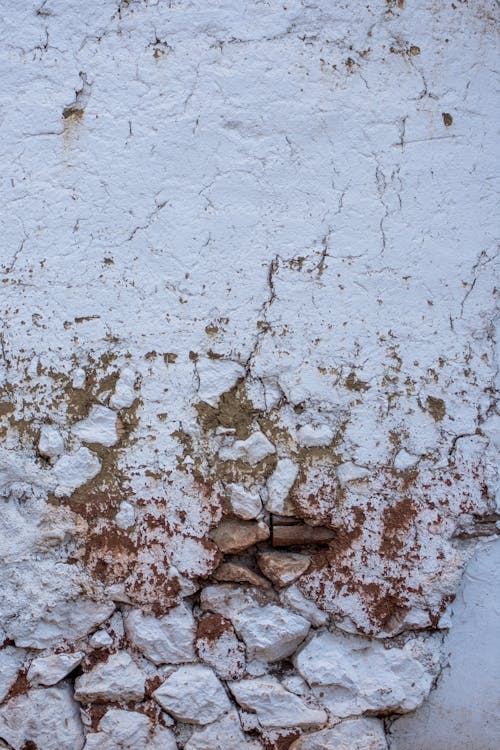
48 718
363 675
11 661
293 598
252 450
314 435
236 573
216 376
279 485
271 633
235 536
47 670
300 534
282 568
164 640
245 504
117 679
63 622
99 427
352 734
218 646
72 470
275 706
129 730
50 442
193 693
225 733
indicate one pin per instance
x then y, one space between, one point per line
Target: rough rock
352 734
124 394
50 442
216 377
235 573
49 718
279 485
117 679
274 705
218 646
252 450
194 694
47 670
224 733
163 640
235 536
129 730
74 469
244 504
350 472
271 633
357 675
62 622
314 435
293 598
125 518
99 427
282 568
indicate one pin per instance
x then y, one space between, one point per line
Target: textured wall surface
247 368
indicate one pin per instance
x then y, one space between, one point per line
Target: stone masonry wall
247 365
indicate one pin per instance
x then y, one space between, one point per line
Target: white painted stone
405 460
252 450
47 670
275 706
48 717
216 377
225 733
98 427
79 378
223 652
352 734
74 469
356 675
125 518
270 633
293 598
350 472
124 395
244 504
11 661
163 640
116 679
65 621
129 730
193 693
50 442
314 435
279 485
100 639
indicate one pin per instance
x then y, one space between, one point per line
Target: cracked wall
248 367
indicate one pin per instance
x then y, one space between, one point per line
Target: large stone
163 640
271 633
252 450
275 706
99 427
352 734
235 536
47 670
279 485
50 442
225 733
356 674
236 573
129 730
293 598
283 568
194 694
64 621
218 646
48 718
117 679
245 504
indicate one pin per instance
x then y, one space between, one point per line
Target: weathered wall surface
247 366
